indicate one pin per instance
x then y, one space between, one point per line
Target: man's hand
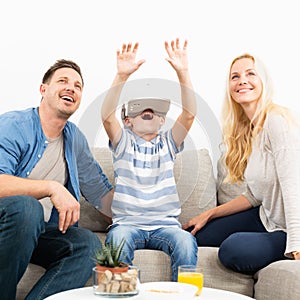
67 206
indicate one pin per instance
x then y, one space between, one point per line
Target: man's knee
23 211
93 239
83 239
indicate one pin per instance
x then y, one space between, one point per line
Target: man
45 165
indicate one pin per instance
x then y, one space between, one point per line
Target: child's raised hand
177 55
126 63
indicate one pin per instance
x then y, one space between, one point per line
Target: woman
262 143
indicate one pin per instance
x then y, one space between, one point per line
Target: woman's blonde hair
238 130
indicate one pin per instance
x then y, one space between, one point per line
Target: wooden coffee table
87 293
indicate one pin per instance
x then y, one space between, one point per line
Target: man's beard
62 114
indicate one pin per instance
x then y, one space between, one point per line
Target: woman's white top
273 178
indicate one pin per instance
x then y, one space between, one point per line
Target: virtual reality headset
135 107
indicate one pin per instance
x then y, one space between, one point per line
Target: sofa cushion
219 277
197 193
227 191
90 218
31 276
155 265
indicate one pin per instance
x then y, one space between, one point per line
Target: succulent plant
109 255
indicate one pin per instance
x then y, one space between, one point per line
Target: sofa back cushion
227 191
195 181
194 177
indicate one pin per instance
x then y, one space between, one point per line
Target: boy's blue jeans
180 245
25 237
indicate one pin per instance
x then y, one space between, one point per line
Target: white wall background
35 33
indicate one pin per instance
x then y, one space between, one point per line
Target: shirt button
39 155
27 173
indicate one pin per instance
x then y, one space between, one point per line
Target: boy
146 206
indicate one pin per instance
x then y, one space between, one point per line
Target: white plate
84 293
117 295
167 290
209 293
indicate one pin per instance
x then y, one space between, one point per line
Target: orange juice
194 278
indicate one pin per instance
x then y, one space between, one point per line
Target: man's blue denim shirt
22 144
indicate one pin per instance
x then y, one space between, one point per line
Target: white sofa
198 191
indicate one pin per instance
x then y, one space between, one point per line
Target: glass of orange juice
192 275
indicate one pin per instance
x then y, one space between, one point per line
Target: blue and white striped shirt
145 194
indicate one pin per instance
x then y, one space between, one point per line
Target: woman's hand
296 255
197 222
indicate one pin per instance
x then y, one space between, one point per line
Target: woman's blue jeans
178 244
245 245
25 237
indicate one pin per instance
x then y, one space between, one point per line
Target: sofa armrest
279 280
